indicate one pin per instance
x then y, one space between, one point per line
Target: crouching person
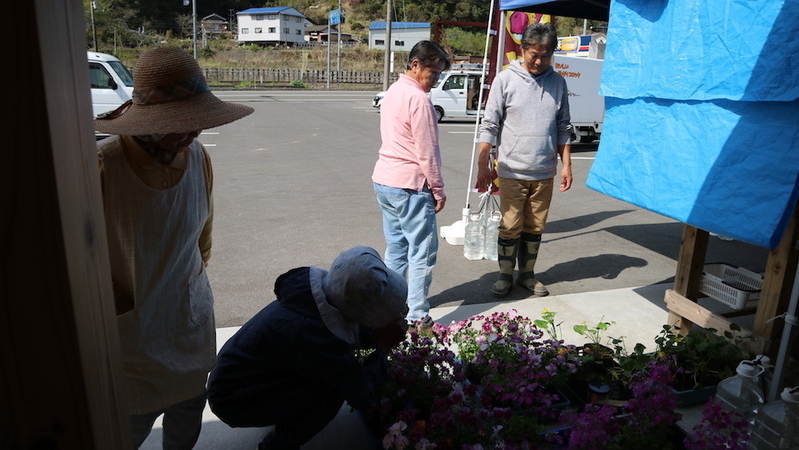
293 365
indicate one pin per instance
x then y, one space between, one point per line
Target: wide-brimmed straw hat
170 95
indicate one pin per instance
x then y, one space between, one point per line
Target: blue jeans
409 226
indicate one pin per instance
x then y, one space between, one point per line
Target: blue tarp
715 49
702 113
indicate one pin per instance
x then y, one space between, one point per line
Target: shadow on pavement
607 266
573 224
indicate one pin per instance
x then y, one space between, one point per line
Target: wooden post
777 284
690 263
60 378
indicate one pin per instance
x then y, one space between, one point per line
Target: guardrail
256 76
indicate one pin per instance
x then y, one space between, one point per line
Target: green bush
207 52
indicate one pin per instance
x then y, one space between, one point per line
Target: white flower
424 444
397 428
394 438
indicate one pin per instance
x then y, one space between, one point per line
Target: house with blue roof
270 26
404 35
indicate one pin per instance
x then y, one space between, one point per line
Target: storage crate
734 286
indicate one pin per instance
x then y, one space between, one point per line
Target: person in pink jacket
407 176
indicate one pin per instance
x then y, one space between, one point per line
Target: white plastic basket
735 286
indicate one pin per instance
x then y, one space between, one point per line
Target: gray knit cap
365 291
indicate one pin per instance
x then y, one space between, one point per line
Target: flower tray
735 286
549 413
693 397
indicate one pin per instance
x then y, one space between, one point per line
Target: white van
583 75
111 82
455 95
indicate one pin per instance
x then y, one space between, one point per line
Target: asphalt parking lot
292 187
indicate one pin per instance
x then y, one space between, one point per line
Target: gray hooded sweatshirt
527 118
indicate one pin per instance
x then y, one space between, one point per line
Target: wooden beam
690 310
777 283
690 263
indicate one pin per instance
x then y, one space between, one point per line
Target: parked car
378 99
455 95
111 82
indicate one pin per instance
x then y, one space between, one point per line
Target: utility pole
387 61
338 33
328 50
92 6
194 26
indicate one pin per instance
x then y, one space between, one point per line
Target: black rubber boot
528 254
506 250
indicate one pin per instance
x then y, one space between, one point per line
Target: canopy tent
723 113
504 41
702 114
581 9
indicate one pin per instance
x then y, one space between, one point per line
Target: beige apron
168 340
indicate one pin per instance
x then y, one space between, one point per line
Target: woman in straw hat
156 180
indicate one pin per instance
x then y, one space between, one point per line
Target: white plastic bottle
777 423
766 378
474 238
742 393
492 236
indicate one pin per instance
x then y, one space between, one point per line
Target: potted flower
423 395
511 361
427 402
597 377
700 360
719 429
646 421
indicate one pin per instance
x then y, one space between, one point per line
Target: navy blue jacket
286 351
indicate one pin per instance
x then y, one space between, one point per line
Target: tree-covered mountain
161 16
136 22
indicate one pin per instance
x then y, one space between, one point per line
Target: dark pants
298 413
182 424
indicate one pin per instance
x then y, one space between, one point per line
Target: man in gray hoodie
527 119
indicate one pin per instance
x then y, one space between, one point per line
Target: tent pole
454 234
497 34
785 341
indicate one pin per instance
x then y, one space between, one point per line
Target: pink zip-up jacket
409 156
